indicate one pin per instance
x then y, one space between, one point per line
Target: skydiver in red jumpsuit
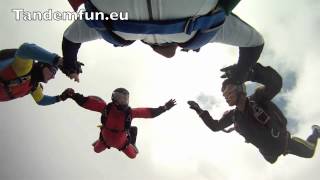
116 130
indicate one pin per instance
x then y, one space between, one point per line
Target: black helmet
52 68
118 93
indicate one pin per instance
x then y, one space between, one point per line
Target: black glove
70 68
170 104
195 106
56 60
235 75
68 93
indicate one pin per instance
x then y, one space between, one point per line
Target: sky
54 142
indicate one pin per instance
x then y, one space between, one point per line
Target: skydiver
257 118
20 74
116 130
164 26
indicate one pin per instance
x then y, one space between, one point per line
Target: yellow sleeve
22 66
37 94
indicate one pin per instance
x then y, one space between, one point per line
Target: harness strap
104 117
6 89
6 84
17 81
206 27
105 28
185 25
263 118
105 113
114 130
127 124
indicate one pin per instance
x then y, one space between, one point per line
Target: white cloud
56 140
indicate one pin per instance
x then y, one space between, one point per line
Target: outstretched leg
304 148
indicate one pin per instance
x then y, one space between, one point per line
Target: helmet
52 68
37 70
240 88
120 96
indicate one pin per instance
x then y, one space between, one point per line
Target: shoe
94 143
316 129
135 147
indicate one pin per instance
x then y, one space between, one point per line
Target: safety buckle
275 134
188 28
260 115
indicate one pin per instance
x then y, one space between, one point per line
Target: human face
47 74
230 94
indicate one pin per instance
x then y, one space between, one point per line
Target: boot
316 130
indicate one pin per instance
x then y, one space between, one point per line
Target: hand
228 71
68 93
170 104
232 72
194 105
72 70
74 76
60 62
78 67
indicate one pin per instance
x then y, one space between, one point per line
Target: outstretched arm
76 34
152 112
45 100
42 99
214 125
217 125
92 103
32 51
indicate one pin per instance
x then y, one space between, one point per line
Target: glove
170 104
58 60
68 69
193 105
228 71
68 93
234 74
